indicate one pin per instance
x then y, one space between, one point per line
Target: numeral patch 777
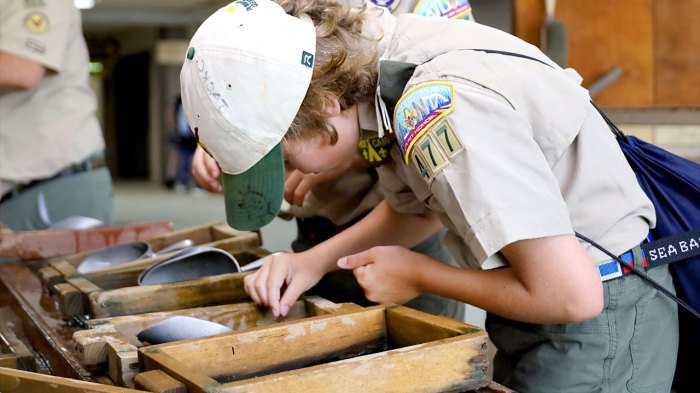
435 149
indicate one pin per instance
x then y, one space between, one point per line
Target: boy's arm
549 280
299 272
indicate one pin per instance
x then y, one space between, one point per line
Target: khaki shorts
630 347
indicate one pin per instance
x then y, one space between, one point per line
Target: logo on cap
307 59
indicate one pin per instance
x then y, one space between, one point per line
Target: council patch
419 109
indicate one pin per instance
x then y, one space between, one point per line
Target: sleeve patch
419 109
435 149
455 9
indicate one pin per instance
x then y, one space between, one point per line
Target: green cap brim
253 198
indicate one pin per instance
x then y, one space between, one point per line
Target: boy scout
506 152
50 140
324 204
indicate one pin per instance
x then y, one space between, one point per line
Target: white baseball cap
244 77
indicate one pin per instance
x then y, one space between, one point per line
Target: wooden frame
60 268
113 340
376 349
99 297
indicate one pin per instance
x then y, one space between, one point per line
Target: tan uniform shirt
52 126
503 148
356 192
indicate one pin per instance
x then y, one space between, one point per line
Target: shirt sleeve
396 190
36 30
495 185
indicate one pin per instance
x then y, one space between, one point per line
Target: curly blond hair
345 63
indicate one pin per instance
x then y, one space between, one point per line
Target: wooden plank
407 326
53 243
49 276
123 363
91 345
677 52
455 364
70 300
213 290
158 382
237 316
16 381
72 296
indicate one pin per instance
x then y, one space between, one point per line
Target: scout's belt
93 162
653 253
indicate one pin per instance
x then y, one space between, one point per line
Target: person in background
324 204
186 145
51 143
499 144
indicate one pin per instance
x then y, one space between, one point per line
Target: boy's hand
387 274
206 171
282 274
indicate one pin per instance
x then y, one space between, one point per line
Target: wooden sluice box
375 349
115 291
113 342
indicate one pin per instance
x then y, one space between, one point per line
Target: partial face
318 155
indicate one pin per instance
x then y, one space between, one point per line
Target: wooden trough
60 268
376 349
100 298
113 340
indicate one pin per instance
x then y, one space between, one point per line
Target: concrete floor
144 201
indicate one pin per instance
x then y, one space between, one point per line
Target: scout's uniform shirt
357 191
53 125
502 148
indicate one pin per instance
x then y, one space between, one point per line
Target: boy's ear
333 107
